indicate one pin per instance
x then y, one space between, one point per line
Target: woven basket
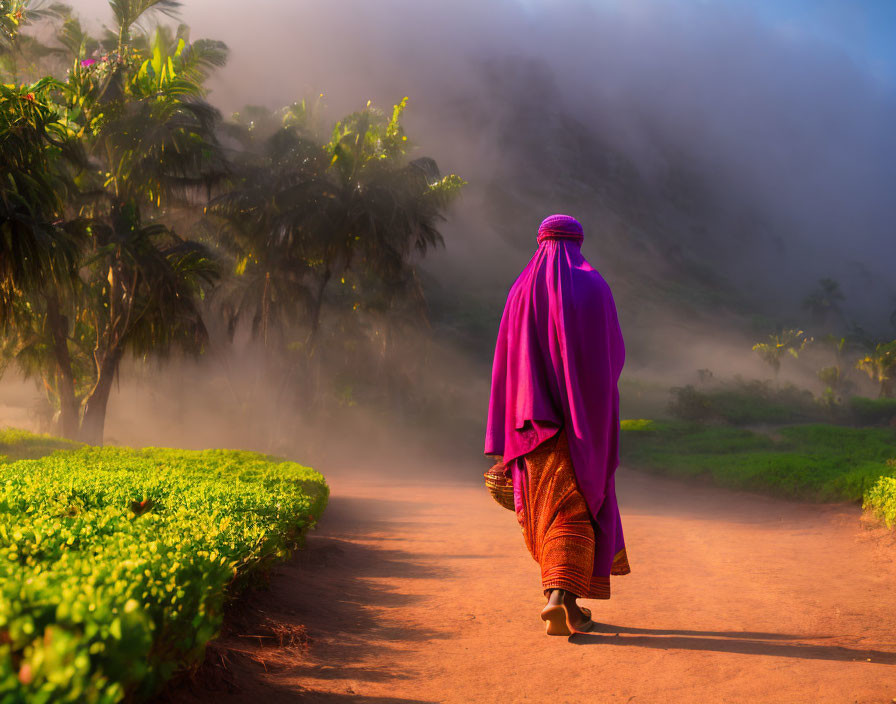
500 486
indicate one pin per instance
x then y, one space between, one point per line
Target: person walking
553 422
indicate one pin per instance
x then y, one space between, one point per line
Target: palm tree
263 221
38 250
778 344
148 303
17 47
824 301
382 209
153 141
351 210
880 365
32 247
314 222
835 376
129 13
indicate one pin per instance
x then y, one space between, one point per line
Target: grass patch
814 462
115 563
21 445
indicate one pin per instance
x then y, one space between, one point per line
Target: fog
788 138
720 165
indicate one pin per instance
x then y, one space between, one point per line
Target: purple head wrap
560 227
557 363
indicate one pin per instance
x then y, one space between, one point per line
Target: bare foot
585 610
563 616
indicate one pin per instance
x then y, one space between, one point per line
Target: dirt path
429 595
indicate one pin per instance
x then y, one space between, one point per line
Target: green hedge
115 563
816 462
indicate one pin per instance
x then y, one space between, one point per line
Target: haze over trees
133 216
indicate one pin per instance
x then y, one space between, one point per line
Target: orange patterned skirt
557 525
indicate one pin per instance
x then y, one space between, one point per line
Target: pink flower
88 62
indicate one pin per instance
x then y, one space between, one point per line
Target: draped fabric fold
558 358
556 523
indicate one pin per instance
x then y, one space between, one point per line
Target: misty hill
661 239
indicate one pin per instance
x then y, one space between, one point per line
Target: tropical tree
38 248
32 191
138 116
880 365
383 209
772 351
824 301
151 140
307 214
18 48
262 222
835 377
315 222
76 44
129 13
107 169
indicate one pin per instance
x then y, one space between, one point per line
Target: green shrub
115 563
881 498
872 411
818 462
745 403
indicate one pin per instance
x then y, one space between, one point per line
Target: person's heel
554 616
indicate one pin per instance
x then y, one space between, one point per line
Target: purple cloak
557 363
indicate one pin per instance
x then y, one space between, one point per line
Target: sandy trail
417 593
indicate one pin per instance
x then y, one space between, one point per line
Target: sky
865 29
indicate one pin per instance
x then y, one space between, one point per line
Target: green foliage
100 165
816 462
636 425
778 344
331 224
17 47
33 142
20 445
881 498
880 365
115 563
745 403
100 162
872 411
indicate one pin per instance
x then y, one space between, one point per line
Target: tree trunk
265 308
315 313
312 363
68 403
94 422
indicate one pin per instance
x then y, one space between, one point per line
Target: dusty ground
427 594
